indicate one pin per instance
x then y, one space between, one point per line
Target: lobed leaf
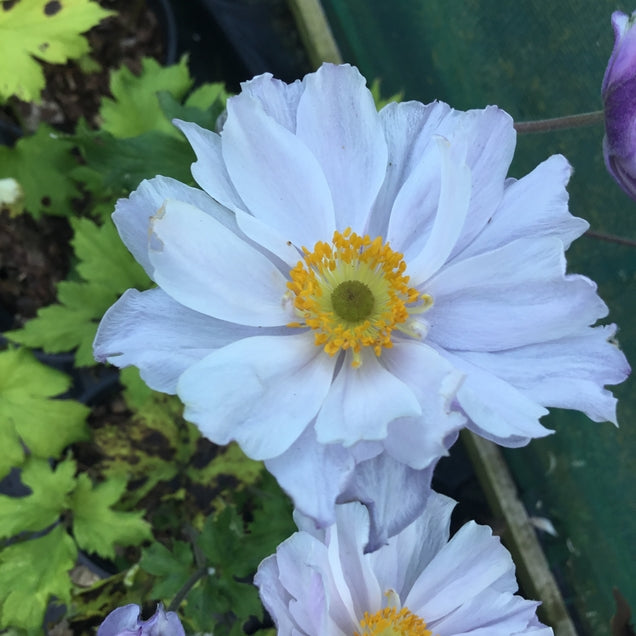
96 526
31 573
48 30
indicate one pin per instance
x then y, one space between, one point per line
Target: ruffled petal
472 561
534 206
274 596
275 174
313 475
409 128
420 440
567 373
339 123
362 401
394 494
206 267
515 295
209 170
454 198
132 215
261 392
139 329
496 409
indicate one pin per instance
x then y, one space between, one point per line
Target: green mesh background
537 59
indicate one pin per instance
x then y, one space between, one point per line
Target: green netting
537 59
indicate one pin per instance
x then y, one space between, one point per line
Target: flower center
353 293
393 622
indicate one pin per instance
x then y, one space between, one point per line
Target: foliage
47 30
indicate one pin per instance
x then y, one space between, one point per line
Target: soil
35 255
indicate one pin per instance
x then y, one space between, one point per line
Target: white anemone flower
322 583
351 286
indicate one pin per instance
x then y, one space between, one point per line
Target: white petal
470 562
261 392
490 138
567 373
338 121
159 336
394 494
515 295
132 215
361 403
452 207
206 267
274 596
209 169
313 475
276 175
418 441
278 99
499 411
409 129
534 206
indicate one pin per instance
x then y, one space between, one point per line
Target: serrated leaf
98 528
203 107
48 499
41 163
104 258
123 163
109 269
45 425
134 108
46 30
221 538
171 567
31 573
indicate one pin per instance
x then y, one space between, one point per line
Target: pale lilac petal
435 382
394 494
205 267
274 596
139 329
261 392
454 197
132 215
409 128
534 206
345 135
515 295
276 175
496 409
566 373
313 475
278 99
362 401
209 169
119 620
470 562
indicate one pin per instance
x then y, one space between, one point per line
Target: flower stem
611 238
187 586
560 123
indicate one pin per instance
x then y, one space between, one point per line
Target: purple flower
124 621
619 97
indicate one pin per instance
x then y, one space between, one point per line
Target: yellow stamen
393 622
353 293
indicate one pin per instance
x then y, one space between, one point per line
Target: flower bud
619 97
124 621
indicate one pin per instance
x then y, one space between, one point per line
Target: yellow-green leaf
49 30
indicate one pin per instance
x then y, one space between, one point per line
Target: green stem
560 123
611 238
187 586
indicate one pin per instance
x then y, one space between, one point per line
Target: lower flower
322 583
124 621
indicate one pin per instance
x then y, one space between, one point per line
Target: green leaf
41 164
31 573
123 163
27 412
172 568
49 31
98 528
109 269
202 107
134 108
45 504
